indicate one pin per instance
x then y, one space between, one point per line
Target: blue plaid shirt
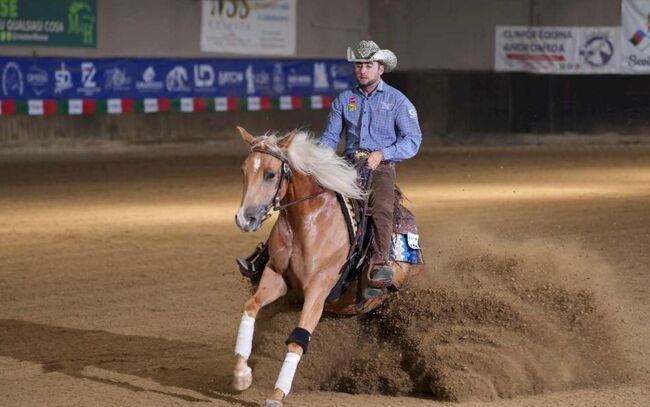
386 120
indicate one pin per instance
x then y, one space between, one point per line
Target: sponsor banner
149 79
250 27
557 50
60 23
635 36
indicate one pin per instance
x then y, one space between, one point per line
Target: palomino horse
308 244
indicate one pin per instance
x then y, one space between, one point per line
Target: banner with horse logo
557 50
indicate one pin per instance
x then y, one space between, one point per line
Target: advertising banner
557 50
635 39
250 27
60 23
120 85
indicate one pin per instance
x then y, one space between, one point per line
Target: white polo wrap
245 336
287 372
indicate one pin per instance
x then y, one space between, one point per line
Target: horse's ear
246 136
287 140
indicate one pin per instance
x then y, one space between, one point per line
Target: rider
380 125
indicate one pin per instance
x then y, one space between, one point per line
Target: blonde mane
306 156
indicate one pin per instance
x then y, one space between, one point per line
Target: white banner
557 50
251 27
635 40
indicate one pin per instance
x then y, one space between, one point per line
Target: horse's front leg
272 286
298 341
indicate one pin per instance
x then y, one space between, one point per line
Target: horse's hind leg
272 286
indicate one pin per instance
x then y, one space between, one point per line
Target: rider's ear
286 141
249 138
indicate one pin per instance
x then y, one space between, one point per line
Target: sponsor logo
295 80
597 51
12 80
149 82
413 114
634 60
278 79
339 74
229 78
352 104
38 79
320 77
204 77
62 79
387 105
116 79
177 79
88 84
255 80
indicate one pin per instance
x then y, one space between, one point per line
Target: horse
308 244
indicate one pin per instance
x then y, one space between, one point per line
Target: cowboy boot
253 265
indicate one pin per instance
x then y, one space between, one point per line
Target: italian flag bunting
39 107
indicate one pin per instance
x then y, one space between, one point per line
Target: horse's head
266 176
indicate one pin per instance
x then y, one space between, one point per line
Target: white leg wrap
287 372
245 336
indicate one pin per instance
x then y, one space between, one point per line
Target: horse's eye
269 176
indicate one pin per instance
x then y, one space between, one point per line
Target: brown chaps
381 205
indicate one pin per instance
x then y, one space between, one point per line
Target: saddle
404 248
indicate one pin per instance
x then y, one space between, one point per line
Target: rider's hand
374 159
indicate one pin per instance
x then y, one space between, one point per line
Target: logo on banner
38 79
177 79
597 51
12 79
88 84
116 79
62 79
278 79
253 80
320 77
204 77
149 82
337 72
229 78
295 80
641 39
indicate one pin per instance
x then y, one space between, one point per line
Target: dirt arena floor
118 285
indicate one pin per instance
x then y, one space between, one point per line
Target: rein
286 174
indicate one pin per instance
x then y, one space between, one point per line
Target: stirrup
253 265
381 277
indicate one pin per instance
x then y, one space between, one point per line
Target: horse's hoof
242 380
272 403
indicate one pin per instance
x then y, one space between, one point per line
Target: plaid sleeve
407 129
332 133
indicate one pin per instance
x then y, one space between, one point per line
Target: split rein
287 174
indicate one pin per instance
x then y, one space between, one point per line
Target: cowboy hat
368 51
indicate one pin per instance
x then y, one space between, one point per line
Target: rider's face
368 73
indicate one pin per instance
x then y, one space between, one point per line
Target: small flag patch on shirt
352 104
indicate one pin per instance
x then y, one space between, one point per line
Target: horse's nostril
251 219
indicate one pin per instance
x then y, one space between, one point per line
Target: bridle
286 175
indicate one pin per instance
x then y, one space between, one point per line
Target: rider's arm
407 131
332 133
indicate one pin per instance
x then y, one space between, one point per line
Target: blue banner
131 78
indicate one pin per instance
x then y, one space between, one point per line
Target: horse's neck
301 187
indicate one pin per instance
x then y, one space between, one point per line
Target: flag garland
41 107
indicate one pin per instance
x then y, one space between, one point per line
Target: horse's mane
306 156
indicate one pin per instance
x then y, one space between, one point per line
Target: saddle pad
401 250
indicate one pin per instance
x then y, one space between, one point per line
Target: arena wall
446 60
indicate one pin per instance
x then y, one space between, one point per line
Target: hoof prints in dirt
492 333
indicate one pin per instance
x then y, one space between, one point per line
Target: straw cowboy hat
368 51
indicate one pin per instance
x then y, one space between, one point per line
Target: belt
361 154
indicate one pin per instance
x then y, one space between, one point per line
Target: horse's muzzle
250 219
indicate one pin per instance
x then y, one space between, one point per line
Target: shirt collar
380 88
